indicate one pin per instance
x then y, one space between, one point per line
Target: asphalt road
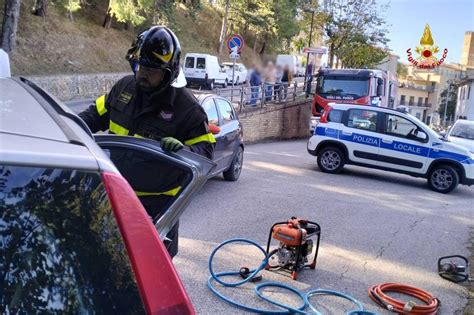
376 227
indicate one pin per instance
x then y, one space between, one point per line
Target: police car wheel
331 160
233 172
443 179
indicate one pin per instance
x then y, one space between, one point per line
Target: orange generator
298 246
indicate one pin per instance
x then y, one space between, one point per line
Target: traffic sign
234 55
235 41
315 50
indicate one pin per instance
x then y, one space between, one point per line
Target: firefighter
153 103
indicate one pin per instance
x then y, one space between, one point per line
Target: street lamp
446 103
309 46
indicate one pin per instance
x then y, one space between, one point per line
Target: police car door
404 144
360 135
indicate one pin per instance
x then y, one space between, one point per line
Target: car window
156 180
60 247
399 127
201 63
464 131
335 116
362 119
211 111
189 62
225 109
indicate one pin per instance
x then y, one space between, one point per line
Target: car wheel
211 85
443 179
237 81
331 160
225 84
233 172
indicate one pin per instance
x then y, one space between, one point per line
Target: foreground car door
142 161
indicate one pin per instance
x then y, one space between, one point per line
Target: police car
390 140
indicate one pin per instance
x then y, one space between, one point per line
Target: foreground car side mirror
214 129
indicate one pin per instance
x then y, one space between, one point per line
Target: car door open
169 179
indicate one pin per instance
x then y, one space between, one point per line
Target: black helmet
158 47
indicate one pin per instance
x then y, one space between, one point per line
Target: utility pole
309 46
446 104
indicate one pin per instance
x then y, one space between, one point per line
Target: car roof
343 106
464 122
37 130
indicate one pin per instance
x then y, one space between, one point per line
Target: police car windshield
342 88
464 131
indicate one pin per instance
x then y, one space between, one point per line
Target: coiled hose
284 308
377 294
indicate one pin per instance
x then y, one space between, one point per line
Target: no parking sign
235 43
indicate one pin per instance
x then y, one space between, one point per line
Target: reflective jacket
174 112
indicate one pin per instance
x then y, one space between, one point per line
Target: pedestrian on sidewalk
269 80
286 80
255 82
277 93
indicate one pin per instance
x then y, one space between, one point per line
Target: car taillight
324 117
160 287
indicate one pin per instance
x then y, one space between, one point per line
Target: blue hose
285 309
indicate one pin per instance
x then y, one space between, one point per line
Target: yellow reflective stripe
117 129
209 137
100 105
172 192
138 136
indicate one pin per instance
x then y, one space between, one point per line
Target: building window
412 100
420 101
426 100
468 91
402 100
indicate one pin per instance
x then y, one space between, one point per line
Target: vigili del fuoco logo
426 52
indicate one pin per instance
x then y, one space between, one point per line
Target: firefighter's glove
171 144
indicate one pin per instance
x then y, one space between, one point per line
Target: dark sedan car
229 151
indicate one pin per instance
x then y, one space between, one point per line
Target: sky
448 21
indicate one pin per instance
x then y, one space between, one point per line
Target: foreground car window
60 247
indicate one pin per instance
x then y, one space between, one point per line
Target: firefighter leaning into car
153 103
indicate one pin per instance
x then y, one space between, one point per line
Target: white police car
391 140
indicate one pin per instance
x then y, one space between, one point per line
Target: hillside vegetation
55 45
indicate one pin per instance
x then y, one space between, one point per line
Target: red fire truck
354 86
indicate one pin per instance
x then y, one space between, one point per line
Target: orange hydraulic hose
376 293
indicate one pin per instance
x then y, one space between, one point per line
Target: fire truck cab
370 87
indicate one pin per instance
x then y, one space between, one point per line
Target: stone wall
278 122
78 86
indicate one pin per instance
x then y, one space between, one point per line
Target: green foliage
356 52
453 95
402 70
72 5
130 11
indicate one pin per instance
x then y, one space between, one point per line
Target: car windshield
464 131
349 88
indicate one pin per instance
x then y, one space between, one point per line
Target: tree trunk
262 51
70 16
108 18
331 55
41 8
224 27
10 25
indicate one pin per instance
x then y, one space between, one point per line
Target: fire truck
369 87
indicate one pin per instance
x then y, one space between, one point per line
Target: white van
240 72
204 70
290 61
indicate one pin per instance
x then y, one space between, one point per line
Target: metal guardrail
245 96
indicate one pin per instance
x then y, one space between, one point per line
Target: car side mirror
421 136
379 90
214 129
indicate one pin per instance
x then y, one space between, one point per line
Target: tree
402 70
41 8
358 52
342 20
72 6
128 11
452 99
224 26
10 25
